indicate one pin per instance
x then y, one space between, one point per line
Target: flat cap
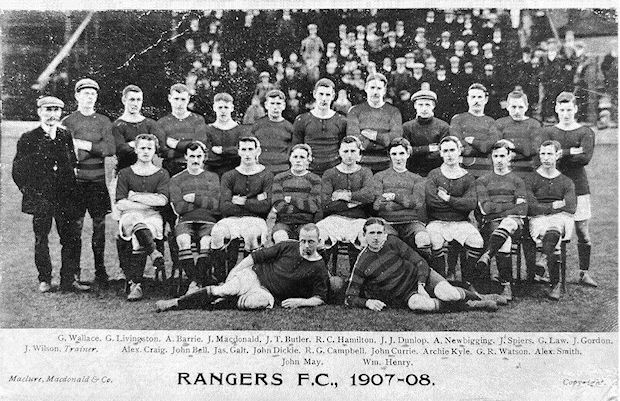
424 94
417 65
263 74
86 83
472 43
50 101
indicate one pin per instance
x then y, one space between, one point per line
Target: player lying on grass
388 273
291 272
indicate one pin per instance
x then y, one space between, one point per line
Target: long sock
123 249
584 249
218 257
232 254
199 299
186 262
425 252
453 254
498 237
469 272
504 266
145 239
553 266
203 268
438 261
138 261
467 295
550 241
529 252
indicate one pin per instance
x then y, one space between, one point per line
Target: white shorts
252 229
252 295
584 208
540 224
341 229
447 231
151 218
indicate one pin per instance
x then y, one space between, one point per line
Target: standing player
296 196
43 170
346 199
223 136
477 131
194 195
321 128
503 204
521 130
552 202
93 139
399 199
142 190
125 129
376 123
577 148
274 133
245 202
131 124
424 133
181 127
450 198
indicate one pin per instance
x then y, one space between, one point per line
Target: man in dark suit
44 170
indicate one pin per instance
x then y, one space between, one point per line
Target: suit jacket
44 171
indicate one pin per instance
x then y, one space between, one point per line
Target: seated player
552 202
503 204
244 204
291 272
223 136
450 197
399 198
388 273
194 194
141 191
296 196
346 197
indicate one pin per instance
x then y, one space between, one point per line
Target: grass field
580 309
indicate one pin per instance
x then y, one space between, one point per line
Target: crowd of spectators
248 53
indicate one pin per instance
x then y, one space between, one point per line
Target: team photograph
310 169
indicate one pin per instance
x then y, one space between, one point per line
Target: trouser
97 242
93 197
70 242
